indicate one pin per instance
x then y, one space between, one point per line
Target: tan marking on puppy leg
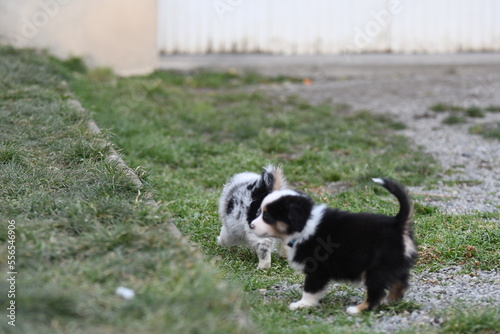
359 308
363 306
396 292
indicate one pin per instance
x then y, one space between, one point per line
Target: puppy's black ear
299 211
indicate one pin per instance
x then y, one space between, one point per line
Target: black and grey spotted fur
238 205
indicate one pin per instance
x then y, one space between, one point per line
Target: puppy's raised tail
273 177
405 205
404 216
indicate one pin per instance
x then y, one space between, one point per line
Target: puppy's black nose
252 226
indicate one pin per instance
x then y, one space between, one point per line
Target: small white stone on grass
125 292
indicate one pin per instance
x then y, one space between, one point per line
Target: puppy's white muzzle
260 228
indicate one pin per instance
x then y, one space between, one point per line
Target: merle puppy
330 244
238 205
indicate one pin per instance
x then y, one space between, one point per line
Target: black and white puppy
238 205
330 244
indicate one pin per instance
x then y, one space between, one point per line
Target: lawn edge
114 157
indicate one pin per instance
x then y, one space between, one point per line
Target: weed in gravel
443 107
454 119
461 182
474 112
439 107
490 130
493 108
458 115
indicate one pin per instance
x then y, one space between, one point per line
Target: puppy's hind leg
398 289
264 248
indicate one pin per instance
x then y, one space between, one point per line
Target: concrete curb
114 157
263 61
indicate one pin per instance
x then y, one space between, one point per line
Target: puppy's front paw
300 304
283 252
352 310
264 265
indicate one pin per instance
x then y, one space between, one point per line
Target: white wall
120 34
328 26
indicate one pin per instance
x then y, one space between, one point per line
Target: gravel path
433 291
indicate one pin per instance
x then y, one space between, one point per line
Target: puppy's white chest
295 265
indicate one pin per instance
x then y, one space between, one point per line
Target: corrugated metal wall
327 26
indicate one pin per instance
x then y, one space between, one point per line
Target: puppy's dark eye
267 217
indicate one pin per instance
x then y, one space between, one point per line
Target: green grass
82 229
470 241
493 108
460 115
482 321
474 112
454 119
443 107
206 79
439 107
490 130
